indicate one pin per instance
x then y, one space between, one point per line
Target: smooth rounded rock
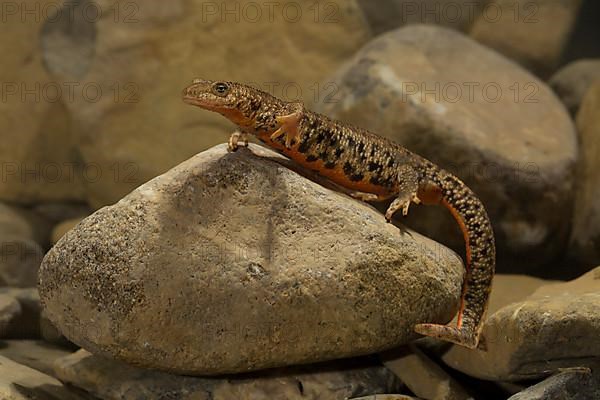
480 116
584 246
391 14
572 82
533 33
232 262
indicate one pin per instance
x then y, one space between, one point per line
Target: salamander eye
220 88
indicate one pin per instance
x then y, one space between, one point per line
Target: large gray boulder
232 262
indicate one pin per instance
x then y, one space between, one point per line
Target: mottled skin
371 168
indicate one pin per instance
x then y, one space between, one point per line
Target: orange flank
335 174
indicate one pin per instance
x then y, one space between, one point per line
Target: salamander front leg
408 184
288 125
365 196
234 140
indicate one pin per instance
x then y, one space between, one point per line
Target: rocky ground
141 260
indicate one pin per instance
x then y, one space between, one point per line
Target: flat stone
232 262
110 379
35 354
569 385
480 116
557 327
423 376
19 382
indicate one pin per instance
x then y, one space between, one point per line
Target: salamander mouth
203 103
193 100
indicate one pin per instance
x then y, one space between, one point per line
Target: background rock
391 14
27 324
62 228
23 237
144 63
331 381
20 260
585 236
517 153
572 82
57 212
21 222
9 311
556 327
235 251
534 33
39 160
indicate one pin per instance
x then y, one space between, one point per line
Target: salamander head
239 103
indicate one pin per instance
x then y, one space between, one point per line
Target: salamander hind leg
288 125
408 184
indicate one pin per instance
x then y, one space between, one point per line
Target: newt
370 168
